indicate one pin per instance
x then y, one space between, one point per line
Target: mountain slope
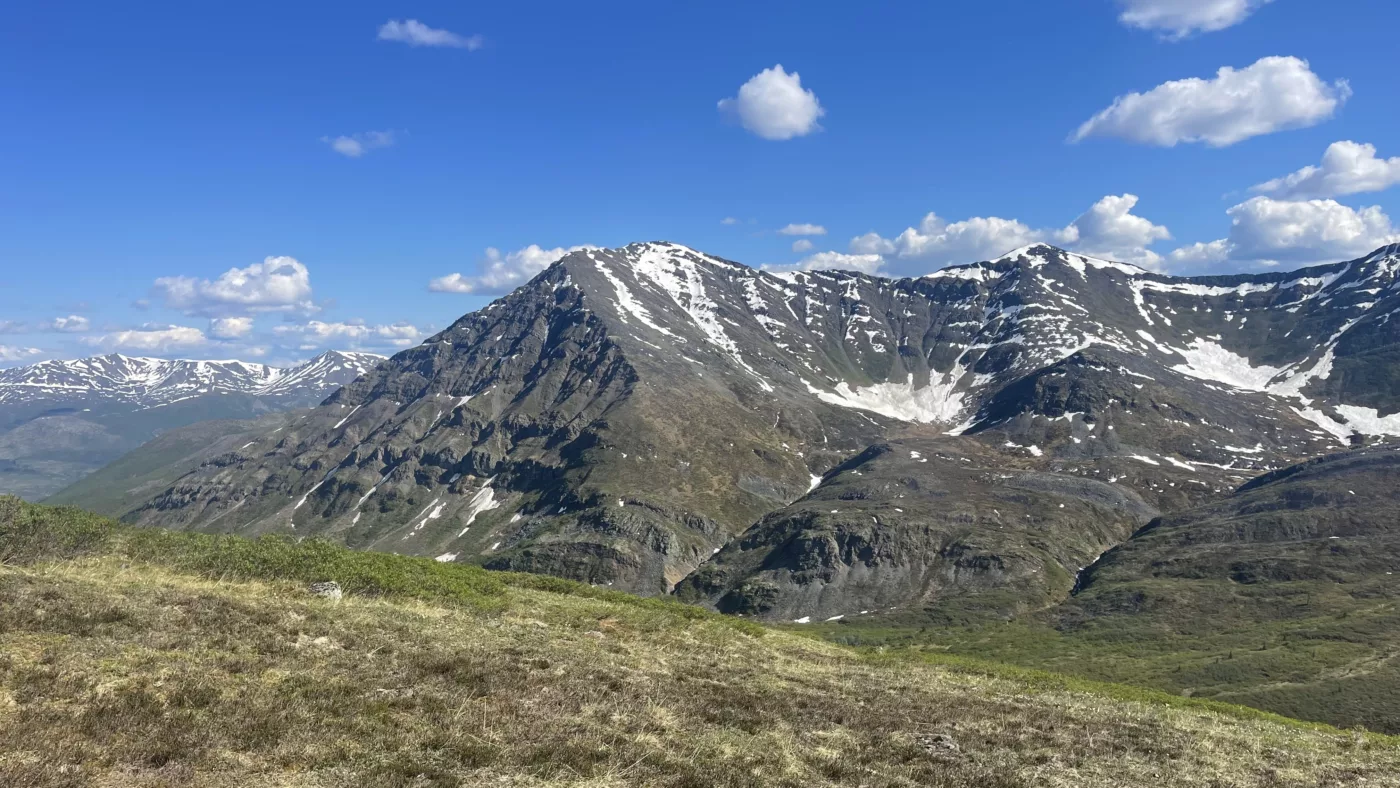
139 657
1306 554
949 527
629 412
130 480
61 420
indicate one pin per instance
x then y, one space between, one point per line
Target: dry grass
115 672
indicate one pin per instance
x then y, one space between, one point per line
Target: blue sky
174 177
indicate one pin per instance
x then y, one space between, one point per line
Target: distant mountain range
60 420
155 382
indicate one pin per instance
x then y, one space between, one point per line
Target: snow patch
936 402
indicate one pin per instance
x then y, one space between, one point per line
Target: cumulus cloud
802 245
1347 168
357 145
822 261
151 339
11 327
501 273
1273 94
1107 229
10 354
729 221
1177 19
230 327
1265 231
277 284
72 324
872 243
978 238
774 106
316 333
803 229
417 34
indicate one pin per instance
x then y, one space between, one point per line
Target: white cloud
1177 19
11 327
937 241
502 273
1265 231
1108 229
417 34
11 354
1347 168
774 106
802 245
1201 254
1273 94
230 327
72 324
865 263
872 243
357 145
151 339
277 284
803 229
729 221
316 333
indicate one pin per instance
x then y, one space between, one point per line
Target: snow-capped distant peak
155 381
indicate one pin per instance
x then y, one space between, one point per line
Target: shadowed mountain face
953 527
62 420
1290 582
629 413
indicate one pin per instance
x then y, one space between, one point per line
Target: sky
265 181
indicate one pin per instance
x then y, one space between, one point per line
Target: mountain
1298 561
951 527
629 413
155 382
131 479
61 420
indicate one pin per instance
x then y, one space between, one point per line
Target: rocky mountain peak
629 410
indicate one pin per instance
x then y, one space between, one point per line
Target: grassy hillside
1284 596
144 657
132 479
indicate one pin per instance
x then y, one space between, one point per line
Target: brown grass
115 672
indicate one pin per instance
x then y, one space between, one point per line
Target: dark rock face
1334 519
949 526
633 415
1288 586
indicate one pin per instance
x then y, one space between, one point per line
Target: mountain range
992 442
60 420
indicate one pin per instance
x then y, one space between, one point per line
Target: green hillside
152 658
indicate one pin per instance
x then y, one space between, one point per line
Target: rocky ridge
633 414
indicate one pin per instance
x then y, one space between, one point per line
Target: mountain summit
629 412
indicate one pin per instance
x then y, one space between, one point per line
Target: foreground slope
125 663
